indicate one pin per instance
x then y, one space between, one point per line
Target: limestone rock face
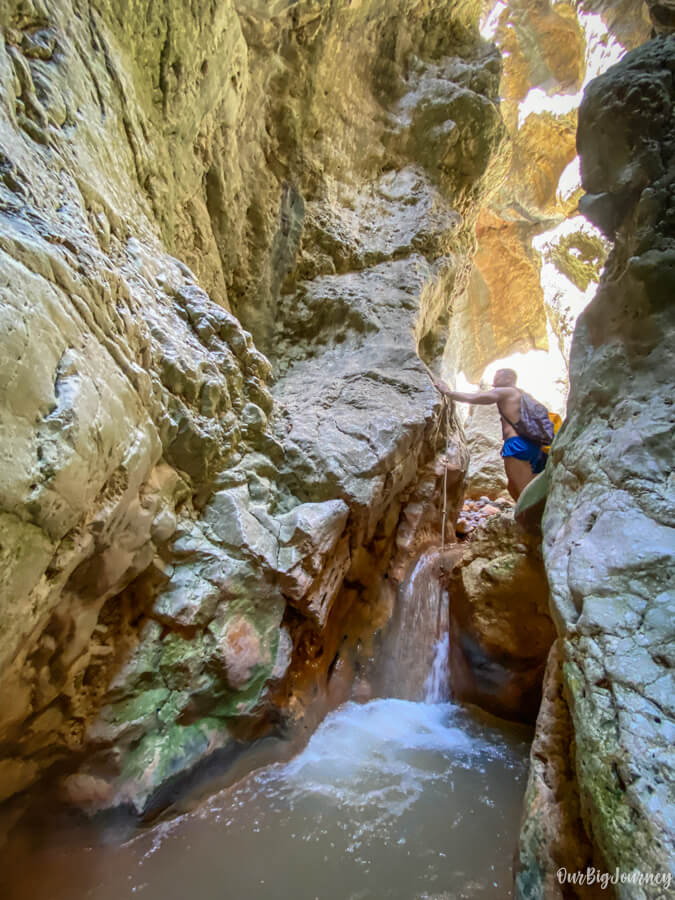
514 301
625 19
223 252
609 531
500 628
553 836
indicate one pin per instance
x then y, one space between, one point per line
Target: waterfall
417 646
437 685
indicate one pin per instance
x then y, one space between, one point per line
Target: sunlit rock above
551 51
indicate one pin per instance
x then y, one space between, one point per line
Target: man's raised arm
483 398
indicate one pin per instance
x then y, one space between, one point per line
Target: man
523 459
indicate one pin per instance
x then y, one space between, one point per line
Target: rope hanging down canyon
443 422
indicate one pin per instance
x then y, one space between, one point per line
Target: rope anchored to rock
443 422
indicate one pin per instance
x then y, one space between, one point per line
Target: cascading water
395 798
413 650
437 685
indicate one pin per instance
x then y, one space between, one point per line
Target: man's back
508 405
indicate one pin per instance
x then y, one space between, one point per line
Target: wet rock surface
608 527
553 835
500 628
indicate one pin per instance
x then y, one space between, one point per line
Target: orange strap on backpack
557 425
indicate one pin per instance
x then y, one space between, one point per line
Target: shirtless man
523 459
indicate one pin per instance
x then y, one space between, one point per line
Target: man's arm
482 398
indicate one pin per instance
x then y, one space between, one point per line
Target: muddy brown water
408 799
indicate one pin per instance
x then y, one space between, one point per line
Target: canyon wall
608 529
229 233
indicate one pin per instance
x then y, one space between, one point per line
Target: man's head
504 378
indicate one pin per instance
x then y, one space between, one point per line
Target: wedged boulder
500 627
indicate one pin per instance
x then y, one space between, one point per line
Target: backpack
535 423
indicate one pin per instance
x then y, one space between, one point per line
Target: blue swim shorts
521 448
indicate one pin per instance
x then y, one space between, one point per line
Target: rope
443 419
445 500
445 413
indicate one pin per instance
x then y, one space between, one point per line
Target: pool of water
389 799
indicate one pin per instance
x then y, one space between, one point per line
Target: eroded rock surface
485 475
553 835
185 522
500 628
609 532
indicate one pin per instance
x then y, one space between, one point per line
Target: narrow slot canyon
280 614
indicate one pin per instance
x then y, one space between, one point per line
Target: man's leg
518 473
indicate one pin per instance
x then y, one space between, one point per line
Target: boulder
500 628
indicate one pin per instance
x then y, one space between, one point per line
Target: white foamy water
360 750
412 655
